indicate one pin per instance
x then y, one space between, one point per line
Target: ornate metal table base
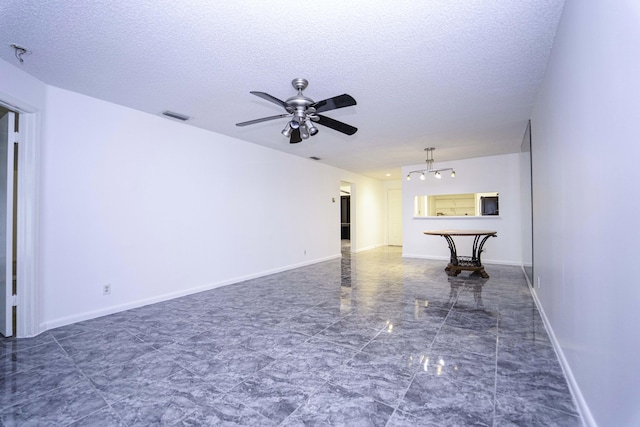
453 270
470 263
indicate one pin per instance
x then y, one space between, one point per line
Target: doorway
346 225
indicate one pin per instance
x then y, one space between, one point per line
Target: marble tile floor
371 339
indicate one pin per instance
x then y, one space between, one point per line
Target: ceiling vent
176 116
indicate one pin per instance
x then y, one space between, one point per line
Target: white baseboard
446 258
578 398
63 321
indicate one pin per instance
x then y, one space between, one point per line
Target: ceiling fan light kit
302 113
436 172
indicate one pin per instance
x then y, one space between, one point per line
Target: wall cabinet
453 205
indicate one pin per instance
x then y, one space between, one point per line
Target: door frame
7 170
27 321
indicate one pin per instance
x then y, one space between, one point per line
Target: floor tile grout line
91 384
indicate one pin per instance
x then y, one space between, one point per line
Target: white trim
459 217
447 258
27 232
27 213
63 321
6 165
578 398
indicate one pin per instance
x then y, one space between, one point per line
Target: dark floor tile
452 338
275 392
167 402
121 381
230 367
274 342
539 387
98 350
28 384
309 322
336 406
395 344
192 352
225 412
11 345
479 320
441 401
164 332
32 357
319 356
462 367
56 408
69 331
349 333
516 411
383 378
105 417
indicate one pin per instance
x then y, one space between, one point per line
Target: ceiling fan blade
336 125
295 136
270 98
339 101
264 119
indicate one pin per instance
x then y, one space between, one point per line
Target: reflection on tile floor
371 339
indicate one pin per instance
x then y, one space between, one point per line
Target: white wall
485 174
158 209
585 187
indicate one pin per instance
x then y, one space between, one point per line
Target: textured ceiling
460 76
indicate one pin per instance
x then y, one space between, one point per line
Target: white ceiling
460 76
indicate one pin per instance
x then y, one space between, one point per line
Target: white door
394 208
7 134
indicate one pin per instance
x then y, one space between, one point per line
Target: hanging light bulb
304 132
287 130
453 174
312 129
437 175
408 177
422 177
294 124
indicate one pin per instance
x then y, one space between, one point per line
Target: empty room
326 213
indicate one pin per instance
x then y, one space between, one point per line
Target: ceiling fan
303 113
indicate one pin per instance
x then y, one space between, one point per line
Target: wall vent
175 115
314 158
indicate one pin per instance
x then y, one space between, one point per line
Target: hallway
369 339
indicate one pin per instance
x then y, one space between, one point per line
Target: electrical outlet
106 289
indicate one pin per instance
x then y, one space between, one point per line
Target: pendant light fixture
436 172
